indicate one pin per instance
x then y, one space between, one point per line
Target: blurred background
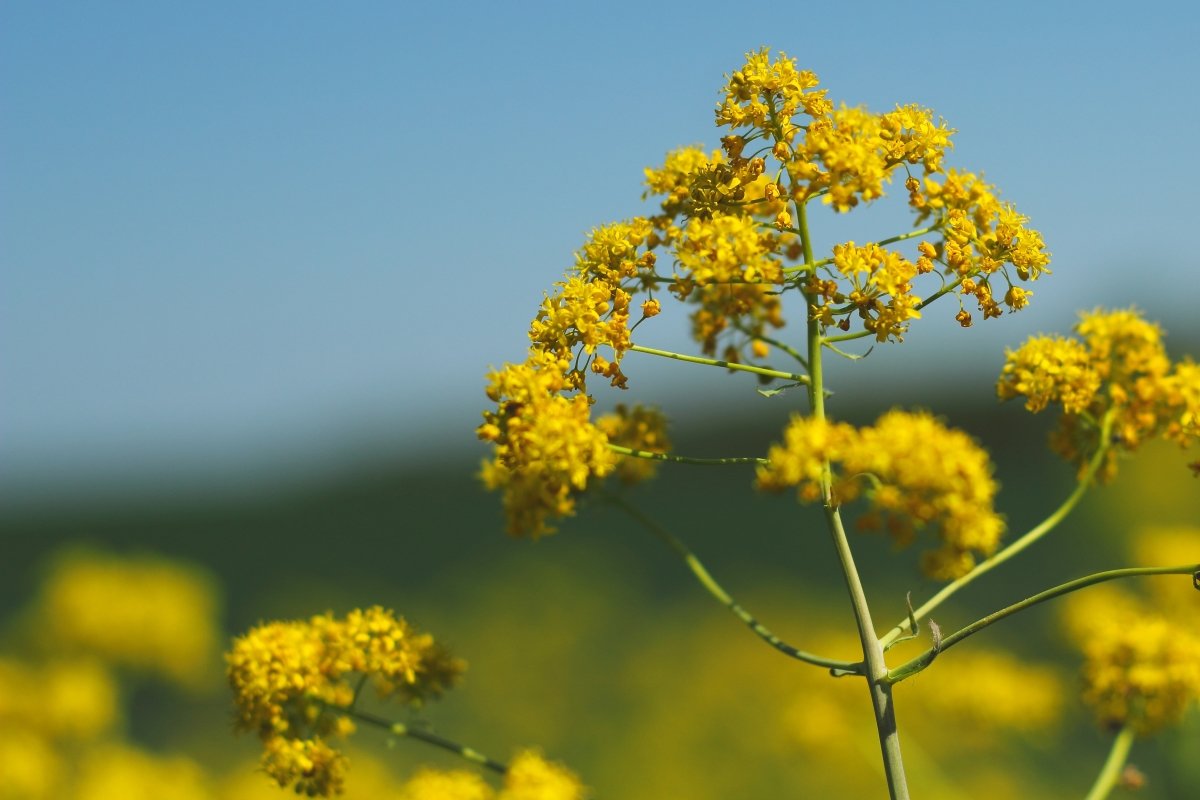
257 258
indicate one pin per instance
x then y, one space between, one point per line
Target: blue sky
240 236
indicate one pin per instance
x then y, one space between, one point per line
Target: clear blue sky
258 233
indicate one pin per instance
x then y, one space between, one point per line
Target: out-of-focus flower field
591 644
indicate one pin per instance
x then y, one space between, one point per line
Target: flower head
293 681
1118 367
914 471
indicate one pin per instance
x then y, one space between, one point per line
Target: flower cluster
1140 669
294 682
769 93
145 613
791 145
61 700
547 449
591 307
529 777
638 428
726 265
914 471
1118 366
880 291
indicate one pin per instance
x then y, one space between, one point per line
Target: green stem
1035 533
400 729
1110 773
876 667
627 451
713 588
912 667
716 362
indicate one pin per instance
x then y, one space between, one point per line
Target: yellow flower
989 691
531 777
762 86
916 473
1048 370
61 700
120 772
311 766
433 784
290 681
881 288
727 266
1143 672
1120 367
143 612
546 448
638 428
30 769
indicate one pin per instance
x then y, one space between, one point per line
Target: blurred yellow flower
139 611
122 772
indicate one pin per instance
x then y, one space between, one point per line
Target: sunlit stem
428 737
875 666
710 585
1110 773
910 668
1035 533
628 451
717 362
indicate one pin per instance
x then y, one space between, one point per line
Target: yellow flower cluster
120 772
1139 670
145 612
767 93
968 693
674 179
638 428
529 777
61 700
849 154
845 156
914 471
1119 365
726 265
880 291
591 307
293 681
547 449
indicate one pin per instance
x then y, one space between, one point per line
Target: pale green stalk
1035 533
428 737
717 362
942 644
1110 773
628 451
713 588
876 667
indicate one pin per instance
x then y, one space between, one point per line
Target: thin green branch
1035 533
628 451
400 729
713 588
920 662
717 362
1110 773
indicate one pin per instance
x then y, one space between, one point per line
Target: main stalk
876 667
